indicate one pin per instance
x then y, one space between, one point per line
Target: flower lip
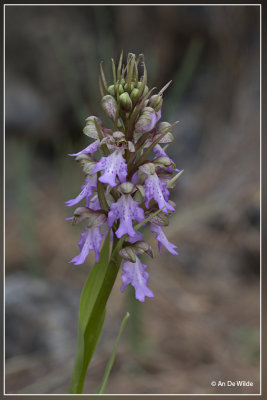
136 275
126 210
162 240
91 239
112 165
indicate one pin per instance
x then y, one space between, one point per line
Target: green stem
104 382
96 315
88 337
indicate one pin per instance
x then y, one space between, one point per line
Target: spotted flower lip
126 210
112 165
87 191
156 189
91 239
162 240
136 275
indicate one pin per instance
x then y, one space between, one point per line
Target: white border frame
129 394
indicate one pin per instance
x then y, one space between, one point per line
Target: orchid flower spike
128 174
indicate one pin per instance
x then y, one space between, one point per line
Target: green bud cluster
129 93
125 98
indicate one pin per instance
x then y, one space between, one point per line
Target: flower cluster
127 173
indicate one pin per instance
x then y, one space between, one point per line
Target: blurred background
203 323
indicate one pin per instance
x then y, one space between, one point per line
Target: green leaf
171 181
104 382
119 67
103 77
92 309
138 226
88 330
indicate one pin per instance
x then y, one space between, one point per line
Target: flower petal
126 209
90 239
113 165
155 189
87 191
162 240
92 148
135 274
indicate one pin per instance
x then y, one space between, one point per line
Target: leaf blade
86 344
104 381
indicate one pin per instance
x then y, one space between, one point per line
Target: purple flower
87 191
155 189
92 148
160 152
135 177
161 238
112 165
93 202
126 209
90 239
135 274
138 236
147 120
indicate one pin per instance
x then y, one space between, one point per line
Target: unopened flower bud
156 102
121 90
94 217
129 87
145 91
86 162
126 102
88 167
163 162
160 219
146 121
167 138
143 247
90 128
111 90
128 254
135 95
83 158
148 168
163 127
109 105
